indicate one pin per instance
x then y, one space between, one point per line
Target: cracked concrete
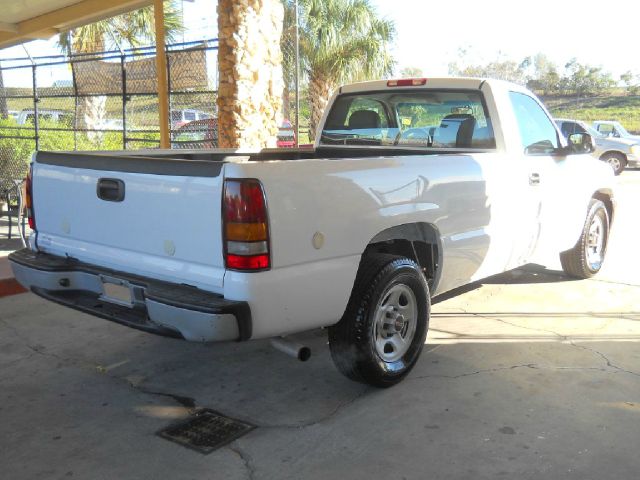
525 375
246 459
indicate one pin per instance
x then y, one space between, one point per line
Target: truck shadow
527 274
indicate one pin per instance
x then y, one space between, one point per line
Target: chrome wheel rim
395 322
595 242
615 163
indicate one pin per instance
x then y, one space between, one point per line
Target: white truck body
484 211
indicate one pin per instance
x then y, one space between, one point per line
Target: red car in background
286 135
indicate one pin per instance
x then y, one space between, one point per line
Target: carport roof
25 20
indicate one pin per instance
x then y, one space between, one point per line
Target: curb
10 286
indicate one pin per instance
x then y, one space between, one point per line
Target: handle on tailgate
110 189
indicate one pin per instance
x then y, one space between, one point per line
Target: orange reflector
246 232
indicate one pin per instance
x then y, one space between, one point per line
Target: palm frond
130 29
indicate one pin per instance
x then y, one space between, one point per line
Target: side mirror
580 143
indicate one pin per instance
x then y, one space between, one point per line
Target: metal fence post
123 70
169 96
36 120
34 84
75 103
161 71
297 76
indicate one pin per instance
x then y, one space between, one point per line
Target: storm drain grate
206 431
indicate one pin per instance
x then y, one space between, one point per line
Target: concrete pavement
527 375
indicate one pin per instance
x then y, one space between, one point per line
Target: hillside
625 109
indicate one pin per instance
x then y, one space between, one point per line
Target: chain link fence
104 101
295 106
108 100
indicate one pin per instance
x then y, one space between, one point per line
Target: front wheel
383 330
585 259
616 161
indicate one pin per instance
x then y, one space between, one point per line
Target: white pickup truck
414 187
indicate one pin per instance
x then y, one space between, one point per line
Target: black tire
352 341
577 262
617 161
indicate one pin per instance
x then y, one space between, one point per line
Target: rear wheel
382 332
616 161
585 259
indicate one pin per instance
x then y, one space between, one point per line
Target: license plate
116 291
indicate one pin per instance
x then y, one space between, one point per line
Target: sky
429 33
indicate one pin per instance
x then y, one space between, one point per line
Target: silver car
617 152
610 128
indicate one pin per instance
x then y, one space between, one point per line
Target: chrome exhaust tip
291 348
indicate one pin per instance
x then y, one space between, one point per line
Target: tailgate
155 217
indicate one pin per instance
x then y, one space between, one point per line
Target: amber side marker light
245 225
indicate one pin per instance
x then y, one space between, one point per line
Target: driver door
544 176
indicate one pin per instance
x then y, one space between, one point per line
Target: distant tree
543 74
501 70
585 80
631 82
411 72
627 78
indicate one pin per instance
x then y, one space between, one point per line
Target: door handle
534 179
110 190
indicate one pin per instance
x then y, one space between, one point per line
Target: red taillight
28 200
253 262
245 226
407 82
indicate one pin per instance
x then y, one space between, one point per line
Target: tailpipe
291 348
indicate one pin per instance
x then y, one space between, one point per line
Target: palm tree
130 29
341 41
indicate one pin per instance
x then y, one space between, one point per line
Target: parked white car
414 187
617 152
28 116
610 128
182 117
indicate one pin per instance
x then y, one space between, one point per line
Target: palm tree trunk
320 90
286 102
91 114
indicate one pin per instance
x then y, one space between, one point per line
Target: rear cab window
439 119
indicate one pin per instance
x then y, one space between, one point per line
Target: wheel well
418 241
605 197
614 152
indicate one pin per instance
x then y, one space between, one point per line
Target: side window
538 134
569 128
605 129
